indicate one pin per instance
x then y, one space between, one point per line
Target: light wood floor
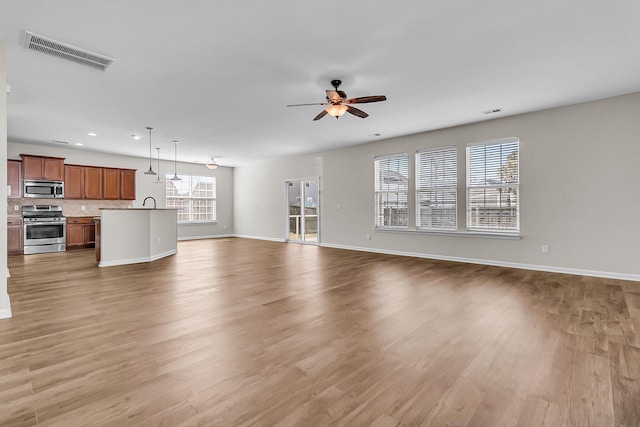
243 332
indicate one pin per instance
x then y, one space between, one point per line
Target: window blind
493 186
391 188
436 189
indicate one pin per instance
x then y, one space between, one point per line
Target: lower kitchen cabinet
14 236
81 232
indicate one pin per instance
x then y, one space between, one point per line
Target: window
391 189
194 197
492 186
436 189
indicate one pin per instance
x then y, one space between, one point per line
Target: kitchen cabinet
93 182
110 184
81 232
127 184
73 182
82 182
14 178
14 236
43 168
97 222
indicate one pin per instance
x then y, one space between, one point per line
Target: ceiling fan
338 103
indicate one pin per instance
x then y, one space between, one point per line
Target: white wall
579 179
5 306
145 185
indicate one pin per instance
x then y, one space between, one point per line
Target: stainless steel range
45 229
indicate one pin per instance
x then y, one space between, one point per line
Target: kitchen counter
131 236
138 209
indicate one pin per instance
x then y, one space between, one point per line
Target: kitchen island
134 235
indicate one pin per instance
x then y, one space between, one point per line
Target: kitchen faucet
145 201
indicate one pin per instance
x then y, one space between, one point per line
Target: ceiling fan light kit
336 111
338 103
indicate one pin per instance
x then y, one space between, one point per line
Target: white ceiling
216 75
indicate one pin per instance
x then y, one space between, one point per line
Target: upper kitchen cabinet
82 182
97 183
73 182
110 184
14 178
93 183
127 184
44 168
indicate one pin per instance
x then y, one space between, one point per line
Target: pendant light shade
157 181
211 164
175 163
150 171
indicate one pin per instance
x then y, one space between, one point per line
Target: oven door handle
44 222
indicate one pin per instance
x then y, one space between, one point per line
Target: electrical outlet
545 249
16 207
83 208
368 236
158 240
338 206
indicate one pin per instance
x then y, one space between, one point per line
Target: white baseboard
565 270
270 239
210 236
137 260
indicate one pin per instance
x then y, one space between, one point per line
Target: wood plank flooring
237 332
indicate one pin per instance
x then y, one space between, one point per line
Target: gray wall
579 192
145 183
5 306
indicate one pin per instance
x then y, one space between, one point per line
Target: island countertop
138 209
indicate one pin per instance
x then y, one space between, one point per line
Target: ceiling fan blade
333 95
365 99
321 115
313 103
356 112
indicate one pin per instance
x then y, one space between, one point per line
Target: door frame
286 208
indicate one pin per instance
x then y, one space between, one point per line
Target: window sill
484 234
196 222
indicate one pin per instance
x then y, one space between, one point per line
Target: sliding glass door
303 207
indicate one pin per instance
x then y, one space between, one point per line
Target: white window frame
505 186
168 177
443 185
381 192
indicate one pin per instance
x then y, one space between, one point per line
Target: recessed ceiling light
136 137
92 134
375 135
492 111
79 143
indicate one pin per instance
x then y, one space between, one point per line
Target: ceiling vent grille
66 51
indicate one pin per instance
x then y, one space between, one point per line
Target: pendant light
150 171
157 181
175 163
212 164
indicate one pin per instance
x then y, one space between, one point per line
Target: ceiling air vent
55 141
66 51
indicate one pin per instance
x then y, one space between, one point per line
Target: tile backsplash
69 207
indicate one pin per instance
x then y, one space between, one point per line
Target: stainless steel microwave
43 189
